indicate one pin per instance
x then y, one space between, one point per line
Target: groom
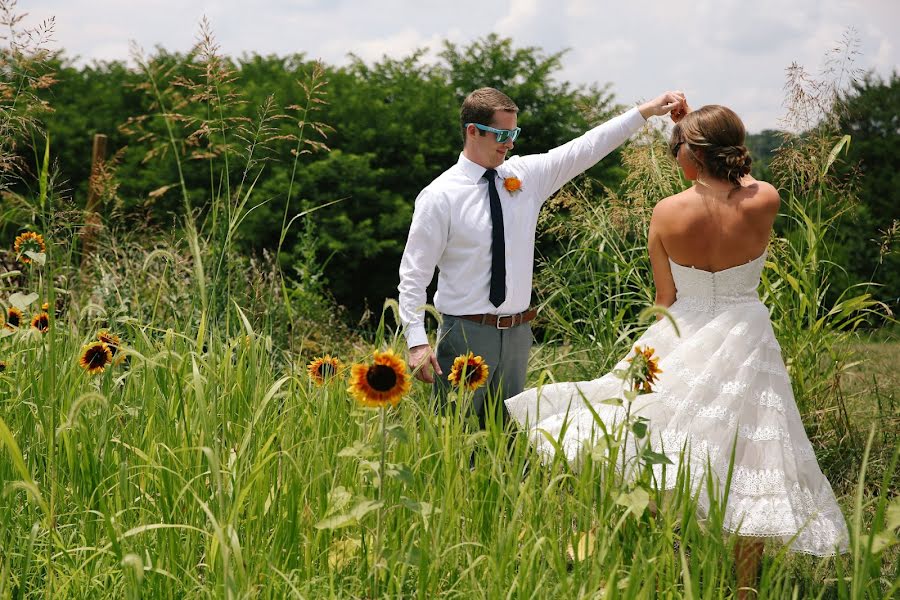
476 222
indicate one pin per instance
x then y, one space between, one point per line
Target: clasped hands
669 102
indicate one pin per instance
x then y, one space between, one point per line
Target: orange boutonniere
512 184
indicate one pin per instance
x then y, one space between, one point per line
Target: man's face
484 149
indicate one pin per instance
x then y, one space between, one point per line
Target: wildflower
45 307
41 322
3 365
380 383
324 368
469 371
13 317
94 357
644 369
28 242
512 184
111 340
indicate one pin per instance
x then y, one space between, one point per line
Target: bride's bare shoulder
761 194
673 204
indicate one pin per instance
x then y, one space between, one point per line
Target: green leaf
883 540
400 472
636 501
342 552
843 143
397 432
640 429
426 509
38 257
358 449
892 518
655 458
599 449
21 301
352 517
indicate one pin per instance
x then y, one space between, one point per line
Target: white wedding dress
723 379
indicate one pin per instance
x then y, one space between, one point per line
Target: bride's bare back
710 228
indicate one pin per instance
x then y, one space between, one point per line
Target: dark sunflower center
381 378
326 370
43 323
96 357
13 319
473 373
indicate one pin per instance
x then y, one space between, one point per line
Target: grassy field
205 466
160 436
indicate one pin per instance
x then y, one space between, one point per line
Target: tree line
375 135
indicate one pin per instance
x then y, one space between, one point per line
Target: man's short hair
480 106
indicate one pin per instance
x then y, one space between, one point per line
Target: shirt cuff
634 118
416 336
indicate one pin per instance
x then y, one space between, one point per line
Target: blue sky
717 51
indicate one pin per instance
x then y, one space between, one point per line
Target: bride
723 385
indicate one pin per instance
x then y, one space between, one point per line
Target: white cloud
724 51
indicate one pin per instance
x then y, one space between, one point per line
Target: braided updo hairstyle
719 135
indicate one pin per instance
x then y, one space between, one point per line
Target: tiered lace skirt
723 386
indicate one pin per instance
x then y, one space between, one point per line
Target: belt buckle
512 322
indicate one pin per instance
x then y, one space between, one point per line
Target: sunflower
381 382
468 370
324 368
41 322
13 317
3 365
94 357
111 340
45 307
29 242
644 369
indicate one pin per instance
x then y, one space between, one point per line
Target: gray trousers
505 351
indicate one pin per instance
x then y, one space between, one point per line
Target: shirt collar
473 170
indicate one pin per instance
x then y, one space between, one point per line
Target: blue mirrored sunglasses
503 135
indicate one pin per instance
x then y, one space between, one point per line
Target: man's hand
663 104
422 360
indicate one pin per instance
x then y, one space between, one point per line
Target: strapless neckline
749 262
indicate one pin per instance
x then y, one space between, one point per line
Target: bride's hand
679 111
662 104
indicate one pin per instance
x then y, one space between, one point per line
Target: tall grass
207 464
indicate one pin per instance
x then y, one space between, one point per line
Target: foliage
392 124
868 113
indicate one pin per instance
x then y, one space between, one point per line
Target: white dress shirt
451 227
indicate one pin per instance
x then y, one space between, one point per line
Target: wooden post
91 218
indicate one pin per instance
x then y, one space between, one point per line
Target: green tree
394 129
870 114
762 148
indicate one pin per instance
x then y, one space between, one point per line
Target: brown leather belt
501 321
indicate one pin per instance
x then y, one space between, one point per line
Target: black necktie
498 245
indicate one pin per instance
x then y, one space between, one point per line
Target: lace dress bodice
712 292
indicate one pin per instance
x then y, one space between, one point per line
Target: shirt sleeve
424 246
558 166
